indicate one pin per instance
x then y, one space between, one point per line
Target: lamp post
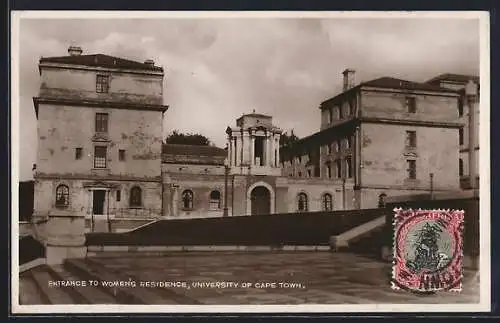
226 175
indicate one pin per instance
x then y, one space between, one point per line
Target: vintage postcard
233 162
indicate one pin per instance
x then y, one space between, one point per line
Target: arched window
214 200
381 200
136 196
302 202
187 199
327 202
62 196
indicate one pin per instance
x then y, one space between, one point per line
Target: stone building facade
100 136
101 153
384 137
468 88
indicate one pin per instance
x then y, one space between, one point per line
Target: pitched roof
394 83
460 78
387 82
101 60
193 150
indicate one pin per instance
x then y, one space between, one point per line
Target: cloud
218 69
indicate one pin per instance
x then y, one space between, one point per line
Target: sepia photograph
250 162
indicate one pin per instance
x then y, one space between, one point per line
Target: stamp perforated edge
395 286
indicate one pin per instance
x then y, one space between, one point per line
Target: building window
309 173
330 115
348 166
412 169
135 196
327 202
381 200
62 196
461 136
118 195
328 170
302 202
100 153
187 200
352 105
102 84
341 112
336 111
78 153
338 168
300 174
121 155
411 105
101 122
411 139
461 167
214 200
328 149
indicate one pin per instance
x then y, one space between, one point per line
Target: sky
218 69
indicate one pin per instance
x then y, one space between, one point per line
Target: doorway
99 197
260 200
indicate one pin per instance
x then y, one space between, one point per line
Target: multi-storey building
468 88
100 136
385 137
101 152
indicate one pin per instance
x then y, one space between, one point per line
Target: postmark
428 249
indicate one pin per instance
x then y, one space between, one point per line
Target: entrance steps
343 240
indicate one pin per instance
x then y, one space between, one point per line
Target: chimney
348 79
75 50
149 62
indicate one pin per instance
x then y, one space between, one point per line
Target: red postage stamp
428 250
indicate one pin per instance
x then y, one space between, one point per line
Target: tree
179 138
287 140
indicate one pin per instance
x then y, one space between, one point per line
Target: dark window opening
381 200
461 136
411 105
102 84
411 139
412 169
118 195
100 156
327 202
187 200
338 167
348 165
461 107
259 151
302 202
101 122
461 167
121 155
215 200
78 153
135 196
62 196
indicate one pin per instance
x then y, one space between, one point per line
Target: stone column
65 236
278 152
175 200
236 154
269 147
230 151
252 151
271 159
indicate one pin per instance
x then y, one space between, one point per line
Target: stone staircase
363 232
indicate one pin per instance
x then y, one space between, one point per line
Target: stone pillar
252 151
230 151
471 93
356 154
272 155
65 236
236 154
269 155
278 151
175 200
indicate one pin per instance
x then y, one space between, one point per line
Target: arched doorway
260 199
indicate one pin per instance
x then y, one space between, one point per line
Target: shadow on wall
30 249
26 200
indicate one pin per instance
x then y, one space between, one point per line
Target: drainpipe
471 93
431 175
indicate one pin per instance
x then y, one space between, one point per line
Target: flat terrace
310 277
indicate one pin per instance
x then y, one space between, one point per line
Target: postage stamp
428 253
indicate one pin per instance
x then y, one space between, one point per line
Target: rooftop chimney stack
149 62
348 79
75 50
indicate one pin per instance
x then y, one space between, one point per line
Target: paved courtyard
275 278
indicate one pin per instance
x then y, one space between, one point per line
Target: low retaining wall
296 229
